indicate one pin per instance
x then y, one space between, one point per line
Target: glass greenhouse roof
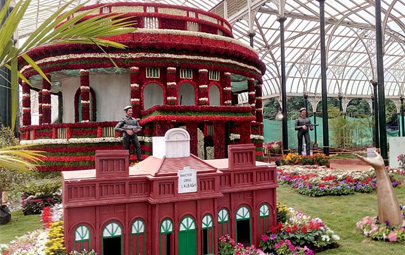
350 41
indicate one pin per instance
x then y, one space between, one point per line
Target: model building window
192 26
207 235
186 94
152 95
166 246
152 72
214 95
223 222
264 219
112 239
82 238
186 73
138 238
243 230
92 106
213 75
151 22
187 237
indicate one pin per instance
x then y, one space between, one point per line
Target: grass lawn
19 226
341 213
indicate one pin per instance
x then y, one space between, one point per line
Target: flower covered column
85 95
26 104
192 130
259 108
227 95
135 92
219 139
202 87
244 131
46 101
252 95
171 93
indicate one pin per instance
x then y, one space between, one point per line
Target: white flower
325 238
335 237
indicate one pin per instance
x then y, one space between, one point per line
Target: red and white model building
178 69
171 203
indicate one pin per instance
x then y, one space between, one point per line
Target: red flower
264 238
304 229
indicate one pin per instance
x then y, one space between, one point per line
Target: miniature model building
171 203
181 67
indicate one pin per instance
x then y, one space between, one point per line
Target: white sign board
187 180
371 152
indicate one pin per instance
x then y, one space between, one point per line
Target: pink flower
392 237
264 238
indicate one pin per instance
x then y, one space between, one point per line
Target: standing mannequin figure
302 124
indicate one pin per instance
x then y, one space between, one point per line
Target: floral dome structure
181 68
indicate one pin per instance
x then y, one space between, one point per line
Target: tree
55 30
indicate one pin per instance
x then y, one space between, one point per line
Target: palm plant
56 29
64 26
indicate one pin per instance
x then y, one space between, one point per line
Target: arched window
165 242
138 237
78 106
214 95
152 95
187 236
223 222
264 219
243 229
207 235
112 239
186 94
82 238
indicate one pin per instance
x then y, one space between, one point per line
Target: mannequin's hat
303 108
127 107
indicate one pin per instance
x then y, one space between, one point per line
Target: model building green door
187 237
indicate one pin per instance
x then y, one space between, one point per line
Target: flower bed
298 234
321 181
295 159
371 227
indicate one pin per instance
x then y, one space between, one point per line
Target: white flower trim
203 70
171 98
253 105
171 68
203 99
227 89
172 11
259 85
227 74
134 68
259 98
251 79
141 56
234 136
228 102
84 102
252 93
26 108
135 100
85 121
46 91
45 105
26 95
171 84
203 86
134 85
